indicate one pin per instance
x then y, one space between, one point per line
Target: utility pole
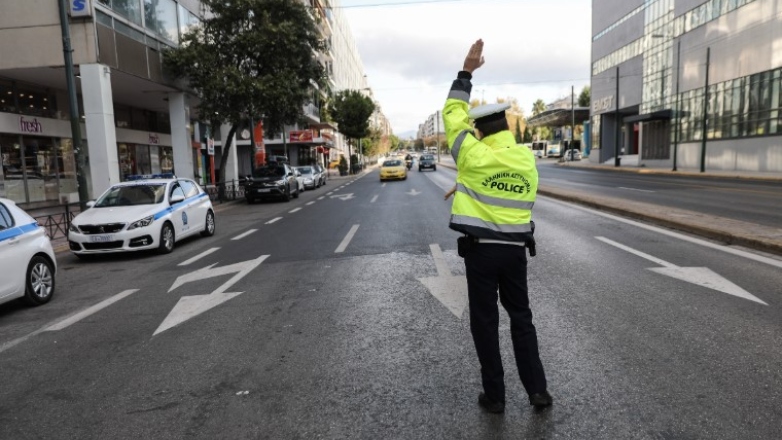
677 116
73 108
572 118
618 122
705 112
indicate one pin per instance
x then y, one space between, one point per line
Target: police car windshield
305 170
392 163
269 172
130 195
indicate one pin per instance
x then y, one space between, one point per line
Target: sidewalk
728 231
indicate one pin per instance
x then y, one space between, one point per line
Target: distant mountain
409 134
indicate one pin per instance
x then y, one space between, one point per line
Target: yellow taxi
393 168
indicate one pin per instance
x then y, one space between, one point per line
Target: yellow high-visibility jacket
496 180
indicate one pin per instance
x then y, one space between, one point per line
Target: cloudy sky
412 50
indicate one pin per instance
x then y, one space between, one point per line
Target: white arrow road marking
343 197
345 241
449 289
413 192
191 306
199 256
701 276
241 236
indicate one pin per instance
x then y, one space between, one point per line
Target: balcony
312 113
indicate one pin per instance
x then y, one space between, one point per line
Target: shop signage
80 8
28 126
154 139
301 136
210 147
603 104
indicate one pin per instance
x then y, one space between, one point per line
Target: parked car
273 181
393 169
427 161
299 180
572 154
150 214
27 263
321 173
311 177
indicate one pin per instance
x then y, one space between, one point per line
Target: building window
160 17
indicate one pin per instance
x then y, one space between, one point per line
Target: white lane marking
321 197
190 306
309 203
373 199
330 193
199 256
241 236
636 189
701 276
345 241
450 290
89 311
678 236
274 220
383 185
294 210
10 344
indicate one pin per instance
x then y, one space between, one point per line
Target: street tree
250 59
351 110
585 97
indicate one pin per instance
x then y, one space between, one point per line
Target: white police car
27 263
141 215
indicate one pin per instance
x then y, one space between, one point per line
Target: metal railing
56 224
226 191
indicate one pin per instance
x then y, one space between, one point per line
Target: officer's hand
474 58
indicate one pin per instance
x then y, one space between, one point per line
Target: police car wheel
39 286
287 195
166 239
209 227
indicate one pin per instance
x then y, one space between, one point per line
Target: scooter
409 164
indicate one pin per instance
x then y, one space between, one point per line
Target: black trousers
489 267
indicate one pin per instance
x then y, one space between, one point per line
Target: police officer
496 186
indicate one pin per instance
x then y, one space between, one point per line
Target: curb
659 171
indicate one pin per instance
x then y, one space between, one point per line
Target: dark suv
426 161
271 181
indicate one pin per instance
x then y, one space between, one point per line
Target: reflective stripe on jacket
496 181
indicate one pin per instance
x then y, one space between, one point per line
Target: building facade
134 120
688 84
432 127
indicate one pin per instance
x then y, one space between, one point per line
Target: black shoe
541 400
490 405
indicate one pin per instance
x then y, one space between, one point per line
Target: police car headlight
74 228
146 221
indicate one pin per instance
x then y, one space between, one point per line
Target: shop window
7 98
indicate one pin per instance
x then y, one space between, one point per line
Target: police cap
488 113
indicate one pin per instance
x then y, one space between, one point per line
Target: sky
413 49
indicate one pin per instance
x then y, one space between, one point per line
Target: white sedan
27 263
142 215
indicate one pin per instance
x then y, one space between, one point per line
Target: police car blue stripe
184 204
17 231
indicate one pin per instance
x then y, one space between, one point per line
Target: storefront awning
559 117
646 117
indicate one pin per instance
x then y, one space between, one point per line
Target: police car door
196 208
179 215
11 259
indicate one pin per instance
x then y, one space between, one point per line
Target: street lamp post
73 108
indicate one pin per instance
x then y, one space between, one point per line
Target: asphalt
725 230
